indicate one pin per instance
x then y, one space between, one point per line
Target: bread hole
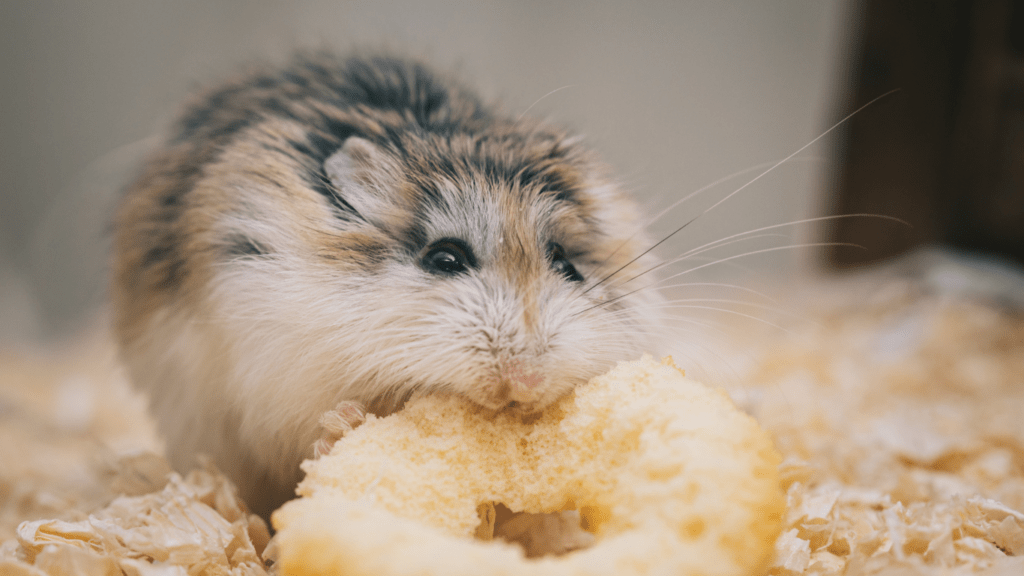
543 534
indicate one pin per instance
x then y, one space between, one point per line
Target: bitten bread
665 472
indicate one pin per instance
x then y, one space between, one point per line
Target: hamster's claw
336 423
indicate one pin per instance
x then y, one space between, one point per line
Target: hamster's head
463 263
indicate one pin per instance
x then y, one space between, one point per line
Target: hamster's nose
520 381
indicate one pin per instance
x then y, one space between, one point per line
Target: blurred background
674 95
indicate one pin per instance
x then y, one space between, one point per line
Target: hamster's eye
561 264
448 257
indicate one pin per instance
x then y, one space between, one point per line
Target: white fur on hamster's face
515 323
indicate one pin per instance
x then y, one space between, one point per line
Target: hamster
356 230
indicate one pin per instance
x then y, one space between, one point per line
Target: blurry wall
674 95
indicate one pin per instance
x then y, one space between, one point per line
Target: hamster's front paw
336 423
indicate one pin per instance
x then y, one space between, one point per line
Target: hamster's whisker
694 194
666 304
798 151
641 255
721 285
684 302
764 173
716 262
689 254
751 234
689 196
694 344
705 324
755 252
722 180
538 100
629 336
735 313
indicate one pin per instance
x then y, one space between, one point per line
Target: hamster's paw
336 423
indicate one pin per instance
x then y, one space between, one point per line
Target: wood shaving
194 525
899 411
83 493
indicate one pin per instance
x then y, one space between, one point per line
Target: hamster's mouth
522 388
509 385
515 385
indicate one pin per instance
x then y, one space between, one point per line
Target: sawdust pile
901 420
83 489
899 412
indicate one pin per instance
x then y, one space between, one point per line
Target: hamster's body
356 230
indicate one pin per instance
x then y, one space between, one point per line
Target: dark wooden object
945 152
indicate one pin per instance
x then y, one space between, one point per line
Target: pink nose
523 380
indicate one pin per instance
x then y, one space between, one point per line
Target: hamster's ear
362 174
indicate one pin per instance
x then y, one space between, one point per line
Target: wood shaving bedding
900 412
194 525
69 422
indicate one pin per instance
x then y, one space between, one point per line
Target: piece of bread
665 472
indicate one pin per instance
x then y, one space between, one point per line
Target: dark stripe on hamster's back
387 83
381 83
307 90
514 159
241 246
164 259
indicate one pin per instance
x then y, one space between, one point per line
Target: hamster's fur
356 230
